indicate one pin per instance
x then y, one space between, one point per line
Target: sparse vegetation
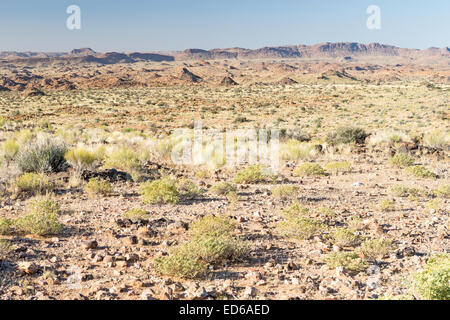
160 191
32 183
347 135
421 172
252 174
309 169
285 192
338 167
432 283
350 261
376 249
97 186
402 160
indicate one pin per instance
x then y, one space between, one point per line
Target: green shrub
345 238
285 192
222 188
386 205
434 204
295 210
80 159
355 223
187 189
32 183
309 169
432 283
43 155
301 228
44 204
182 261
421 172
10 149
350 261
211 241
39 223
160 191
136 214
5 249
252 174
402 191
99 186
437 139
5 227
376 249
336 167
123 159
402 160
442 191
347 135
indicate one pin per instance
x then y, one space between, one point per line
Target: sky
165 25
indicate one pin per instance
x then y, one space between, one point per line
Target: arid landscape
92 206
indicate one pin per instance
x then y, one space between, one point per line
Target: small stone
28 267
147 295
91 244
250 292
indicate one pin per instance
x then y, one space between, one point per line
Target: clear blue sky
159 25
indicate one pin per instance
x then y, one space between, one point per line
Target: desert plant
301 228
296 150
386 205
432 283
181 261
99 186
252 174
5 226
355 223
43 204
402 160
442 191
10 150
123 159
42 155
136 214
309 169
403 191
285 192
222 188
376 249
80 159
437 139
347 135
420 172
350 261
32 183
345 238
187 189
39 223
337 167
160 191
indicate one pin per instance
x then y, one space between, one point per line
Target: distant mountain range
344 50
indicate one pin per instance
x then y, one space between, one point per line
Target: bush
345 238
10 149
32 183
347 135
285 192
295 150
442 191
123 159
336 167
432 283
309 169
188 190
437 139
5 227
252 174
136 214
386 205
222 188
160 191
376 249
402 160
211 241
301 228
80 159
295 210
44 155
99 186
421 172
44 204
350 261
39 223
402 191
182 262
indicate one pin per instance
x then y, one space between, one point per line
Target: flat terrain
362 192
